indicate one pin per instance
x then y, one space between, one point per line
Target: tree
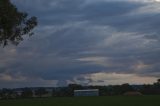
40 92
14 24
158 81
6 93
126 88
27 93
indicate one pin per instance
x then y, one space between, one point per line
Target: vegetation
40 92
14 24
26 93
86 101
112 90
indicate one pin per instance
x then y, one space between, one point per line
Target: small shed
87 92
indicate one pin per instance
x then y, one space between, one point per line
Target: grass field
86 101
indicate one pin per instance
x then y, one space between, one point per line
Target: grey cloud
71 31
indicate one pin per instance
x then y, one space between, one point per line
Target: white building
87 92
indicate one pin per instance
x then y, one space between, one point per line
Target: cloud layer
87 42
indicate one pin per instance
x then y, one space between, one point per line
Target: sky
88 42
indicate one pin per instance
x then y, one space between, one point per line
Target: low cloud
103 78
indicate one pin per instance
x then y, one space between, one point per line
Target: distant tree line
149 89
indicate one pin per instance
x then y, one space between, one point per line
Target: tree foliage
158 81
41 91
14 23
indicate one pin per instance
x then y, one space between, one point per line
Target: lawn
86 101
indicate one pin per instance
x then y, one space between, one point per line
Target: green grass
86 101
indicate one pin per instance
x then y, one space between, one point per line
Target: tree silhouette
27 93
158 81
14 24
40 92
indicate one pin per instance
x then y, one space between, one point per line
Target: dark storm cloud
62 11
77 37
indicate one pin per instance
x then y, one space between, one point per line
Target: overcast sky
89 42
